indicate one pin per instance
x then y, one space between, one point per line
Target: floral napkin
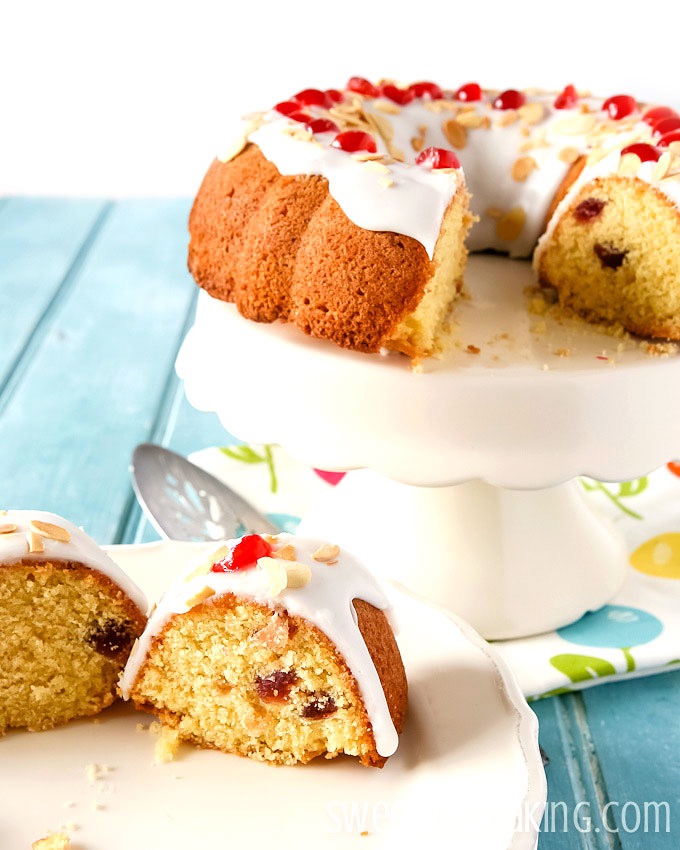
636 634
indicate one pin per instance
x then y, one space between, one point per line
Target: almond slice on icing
576 125
51 531
522 168
531 113
207 565
285 553
8 528
298 575
569 154
629 165
277 577
326 553
474 120
36 545
510 224
455 132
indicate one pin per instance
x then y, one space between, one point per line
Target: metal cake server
184 502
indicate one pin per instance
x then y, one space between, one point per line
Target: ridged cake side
280 247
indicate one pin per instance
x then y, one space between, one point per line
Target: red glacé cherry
287 106
400 96
322 125
302 117
509 99
619 106
362 86
469 92
567 98
311 97
668 138
666 125
354 140
244 555
431 91
647 153
334 95
658 113
438 158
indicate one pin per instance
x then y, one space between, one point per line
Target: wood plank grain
634 731
41 243
93 385
570 819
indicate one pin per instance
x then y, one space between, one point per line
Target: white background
125 97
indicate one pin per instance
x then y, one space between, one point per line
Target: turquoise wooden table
94 302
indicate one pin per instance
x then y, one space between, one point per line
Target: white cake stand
467 491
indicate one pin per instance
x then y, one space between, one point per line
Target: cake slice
68 619
278 649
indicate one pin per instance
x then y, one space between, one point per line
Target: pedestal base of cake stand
460 491
510 562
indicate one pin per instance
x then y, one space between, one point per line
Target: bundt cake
68 619
346 212
276 648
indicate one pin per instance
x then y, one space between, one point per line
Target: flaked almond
367 156
663 166
387 106
569 154
507 117
674 148
474 120
576 125
531 113
277 577
203 594
418 141
382 126
376 166
455 132
298 575
326 553
522 168
386 182
510 224
8 528
629 165
285 553
36 544
396 153
234 149
50 530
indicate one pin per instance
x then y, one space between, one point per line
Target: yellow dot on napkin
659 556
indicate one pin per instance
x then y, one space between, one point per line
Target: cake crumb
53 841
473 349
166 746
96 772
562 352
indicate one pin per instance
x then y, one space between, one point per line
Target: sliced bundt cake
68 619
275 648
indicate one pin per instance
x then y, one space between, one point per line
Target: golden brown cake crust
377 635
281 247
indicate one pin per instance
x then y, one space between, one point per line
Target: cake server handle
184 502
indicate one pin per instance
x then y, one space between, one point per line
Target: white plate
467 773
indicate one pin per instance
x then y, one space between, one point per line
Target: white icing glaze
326 601
416 202
81 549
413 205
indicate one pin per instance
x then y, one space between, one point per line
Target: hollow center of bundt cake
64 637
247 679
